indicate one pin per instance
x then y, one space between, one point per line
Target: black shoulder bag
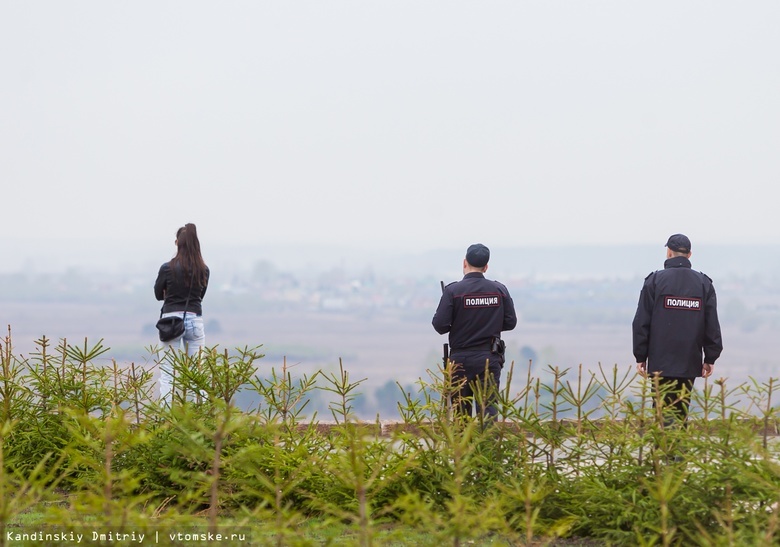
172 327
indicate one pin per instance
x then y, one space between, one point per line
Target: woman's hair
188 256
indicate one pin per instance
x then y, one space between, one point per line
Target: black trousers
476 377
676 396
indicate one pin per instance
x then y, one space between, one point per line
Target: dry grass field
380 348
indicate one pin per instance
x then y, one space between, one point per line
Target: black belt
481 347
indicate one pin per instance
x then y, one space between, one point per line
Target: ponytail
188 254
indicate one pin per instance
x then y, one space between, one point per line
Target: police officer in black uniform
474 311
676 331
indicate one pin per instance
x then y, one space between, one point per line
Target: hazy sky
403 124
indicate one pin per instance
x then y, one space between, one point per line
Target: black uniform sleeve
641 323
160 283
442 319
510 316
713 343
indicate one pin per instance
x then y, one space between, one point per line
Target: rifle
446 370
446 349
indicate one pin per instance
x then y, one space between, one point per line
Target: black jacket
676 321
473 311
173 287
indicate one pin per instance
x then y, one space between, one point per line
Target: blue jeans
193 339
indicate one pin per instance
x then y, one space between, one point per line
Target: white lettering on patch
682 303
481 301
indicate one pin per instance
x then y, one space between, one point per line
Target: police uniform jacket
173 288
473 311
676 321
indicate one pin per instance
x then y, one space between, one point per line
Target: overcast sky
403 124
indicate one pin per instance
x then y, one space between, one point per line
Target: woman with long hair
181 285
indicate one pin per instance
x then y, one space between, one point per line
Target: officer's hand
706 369
641 368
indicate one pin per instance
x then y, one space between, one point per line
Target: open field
390 347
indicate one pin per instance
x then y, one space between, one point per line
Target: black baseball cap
679 243
478 255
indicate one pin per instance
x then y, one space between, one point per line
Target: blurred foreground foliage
570 456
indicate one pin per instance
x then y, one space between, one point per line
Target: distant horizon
102 255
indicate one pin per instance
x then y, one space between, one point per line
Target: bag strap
187 302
